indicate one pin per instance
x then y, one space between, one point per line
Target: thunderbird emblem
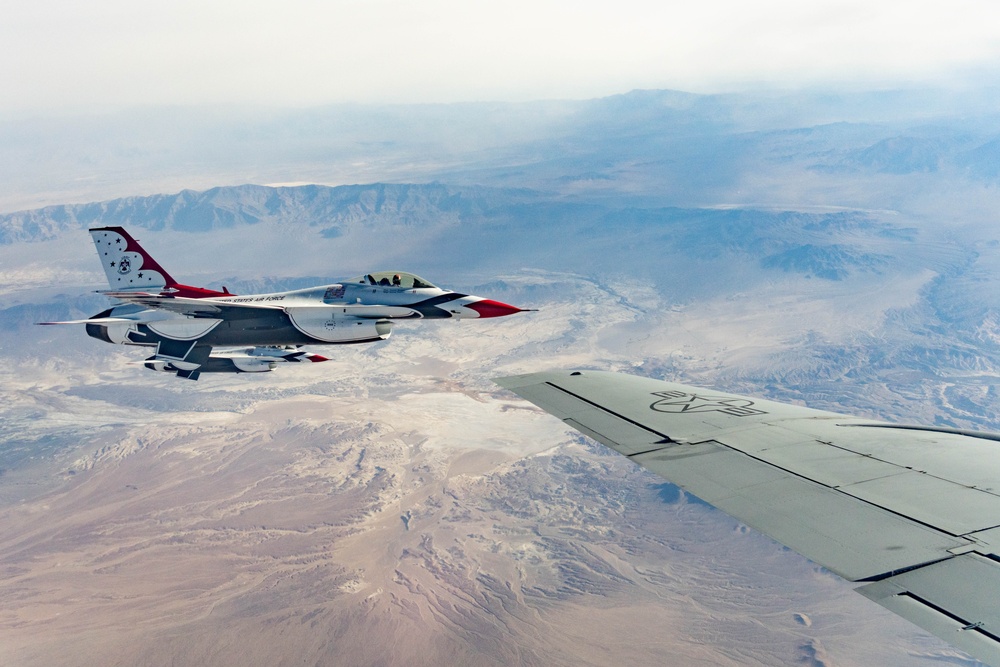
679 402
124 265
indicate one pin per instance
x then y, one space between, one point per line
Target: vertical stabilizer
127 265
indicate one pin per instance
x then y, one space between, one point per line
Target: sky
73 55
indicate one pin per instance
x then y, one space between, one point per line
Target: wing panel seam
845 448
893 573
666 439
840 490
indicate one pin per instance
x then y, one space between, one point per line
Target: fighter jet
188 325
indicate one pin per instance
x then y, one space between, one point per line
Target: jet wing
190 307
230 310
912 512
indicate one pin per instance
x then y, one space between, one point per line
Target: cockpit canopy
399 279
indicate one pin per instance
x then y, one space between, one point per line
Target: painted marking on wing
678 402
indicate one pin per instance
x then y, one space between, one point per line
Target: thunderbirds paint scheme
188 325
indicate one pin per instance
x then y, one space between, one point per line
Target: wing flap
616 434
954 599
614 431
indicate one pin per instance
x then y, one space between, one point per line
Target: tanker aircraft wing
912 513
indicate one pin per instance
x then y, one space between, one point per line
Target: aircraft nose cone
490 308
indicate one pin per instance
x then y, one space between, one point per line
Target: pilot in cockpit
399 280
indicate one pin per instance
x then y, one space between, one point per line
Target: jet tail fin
131 269
127 265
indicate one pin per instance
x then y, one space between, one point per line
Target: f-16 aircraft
187 325
910 512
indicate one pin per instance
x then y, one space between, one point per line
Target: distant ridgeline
828 245
330 208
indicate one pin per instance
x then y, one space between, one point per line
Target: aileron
954 599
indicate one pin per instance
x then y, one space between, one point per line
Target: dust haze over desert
824 244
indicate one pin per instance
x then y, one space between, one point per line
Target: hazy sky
66 54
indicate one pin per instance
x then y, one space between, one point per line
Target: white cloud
111 52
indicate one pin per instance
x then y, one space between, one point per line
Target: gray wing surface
191 307
912 512
236 310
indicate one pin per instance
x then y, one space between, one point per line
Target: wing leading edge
912 513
